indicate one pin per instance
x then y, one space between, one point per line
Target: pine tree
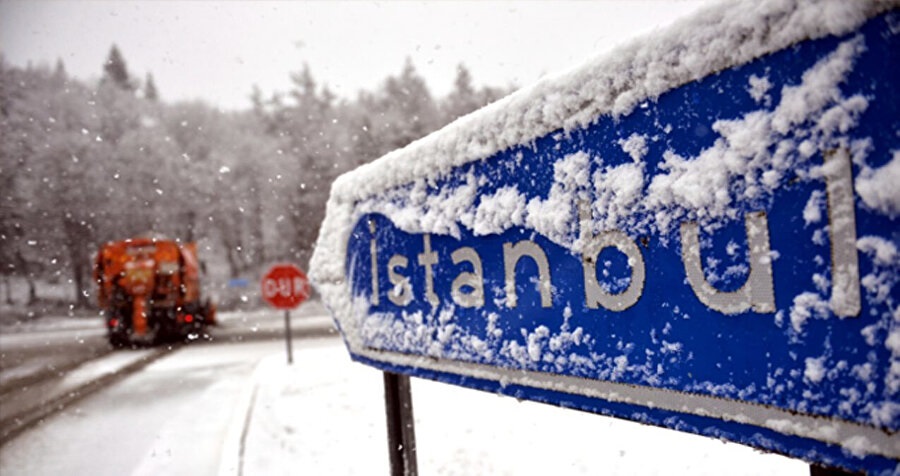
409 111
463 99
150 91
115 70
59 74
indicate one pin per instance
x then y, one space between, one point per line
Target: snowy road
48 362
54 346
57 344
238 408
175 410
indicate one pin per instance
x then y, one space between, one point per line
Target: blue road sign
719 258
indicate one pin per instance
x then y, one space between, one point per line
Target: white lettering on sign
756 294
270 288
592 245
300 287
401 293
281 287
845 294
373 251
428 259
511 256
284 287
473 280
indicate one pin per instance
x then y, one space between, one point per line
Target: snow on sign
698 230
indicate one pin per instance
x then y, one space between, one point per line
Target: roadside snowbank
325 415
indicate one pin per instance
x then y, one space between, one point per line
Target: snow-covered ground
235 409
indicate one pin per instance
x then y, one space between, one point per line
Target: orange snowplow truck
149 290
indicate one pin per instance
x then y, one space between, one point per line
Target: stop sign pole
285 287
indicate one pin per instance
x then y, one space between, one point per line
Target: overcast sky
216 51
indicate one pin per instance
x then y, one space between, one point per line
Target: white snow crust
878 187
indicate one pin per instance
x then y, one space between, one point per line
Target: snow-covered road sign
698 230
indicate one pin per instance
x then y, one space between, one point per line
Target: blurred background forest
84 162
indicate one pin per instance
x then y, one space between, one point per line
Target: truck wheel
118 341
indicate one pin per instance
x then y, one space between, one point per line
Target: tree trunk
189 235
8 284
23 267
32 290
77 233
257 237
229 244
81 298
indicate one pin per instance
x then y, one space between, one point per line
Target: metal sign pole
287 336
285 286
818 470
401 430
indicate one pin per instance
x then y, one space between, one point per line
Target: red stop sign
285 286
